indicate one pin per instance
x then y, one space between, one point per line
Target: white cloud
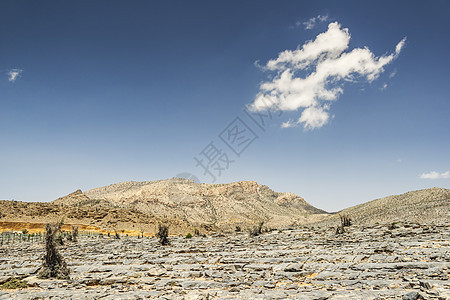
288 124
312 22
392 75
14 74
314 117
384 86
327 65
435 175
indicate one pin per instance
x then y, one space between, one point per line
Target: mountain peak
221 205
72 198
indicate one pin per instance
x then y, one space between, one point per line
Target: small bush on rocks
14 283
189 235
257 230
74 233
393 226
340 230
163 233
346 221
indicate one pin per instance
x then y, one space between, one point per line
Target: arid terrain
405 261
396 247
185 205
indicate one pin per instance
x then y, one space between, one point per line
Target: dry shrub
163 233
54 265
74 233
346 221
257 230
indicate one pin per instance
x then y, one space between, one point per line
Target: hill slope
185 205
428 205
179 202
220 205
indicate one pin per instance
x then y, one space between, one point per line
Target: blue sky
98 92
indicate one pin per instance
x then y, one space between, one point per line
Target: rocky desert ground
397 247
383 261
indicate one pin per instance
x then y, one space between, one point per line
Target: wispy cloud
392 75
287 124
327 65
311 23
435 175
14 74
384 86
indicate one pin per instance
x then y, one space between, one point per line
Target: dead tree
163 233
54 265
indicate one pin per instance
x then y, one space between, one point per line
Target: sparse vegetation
238 229
54 265
74 233
163 233
189 235
14 283
257 230
346 221
393 226
196 232
340 229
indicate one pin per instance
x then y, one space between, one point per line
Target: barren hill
185 205
428 205
216 205
180 202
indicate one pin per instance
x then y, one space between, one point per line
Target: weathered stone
272 266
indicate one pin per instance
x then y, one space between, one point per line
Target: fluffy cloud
435 175
327 64
14 74
312 22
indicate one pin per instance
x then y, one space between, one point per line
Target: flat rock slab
408 262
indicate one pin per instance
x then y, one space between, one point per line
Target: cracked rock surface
410 261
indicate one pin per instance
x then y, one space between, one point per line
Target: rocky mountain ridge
427 205
212 205
185 205
179 202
